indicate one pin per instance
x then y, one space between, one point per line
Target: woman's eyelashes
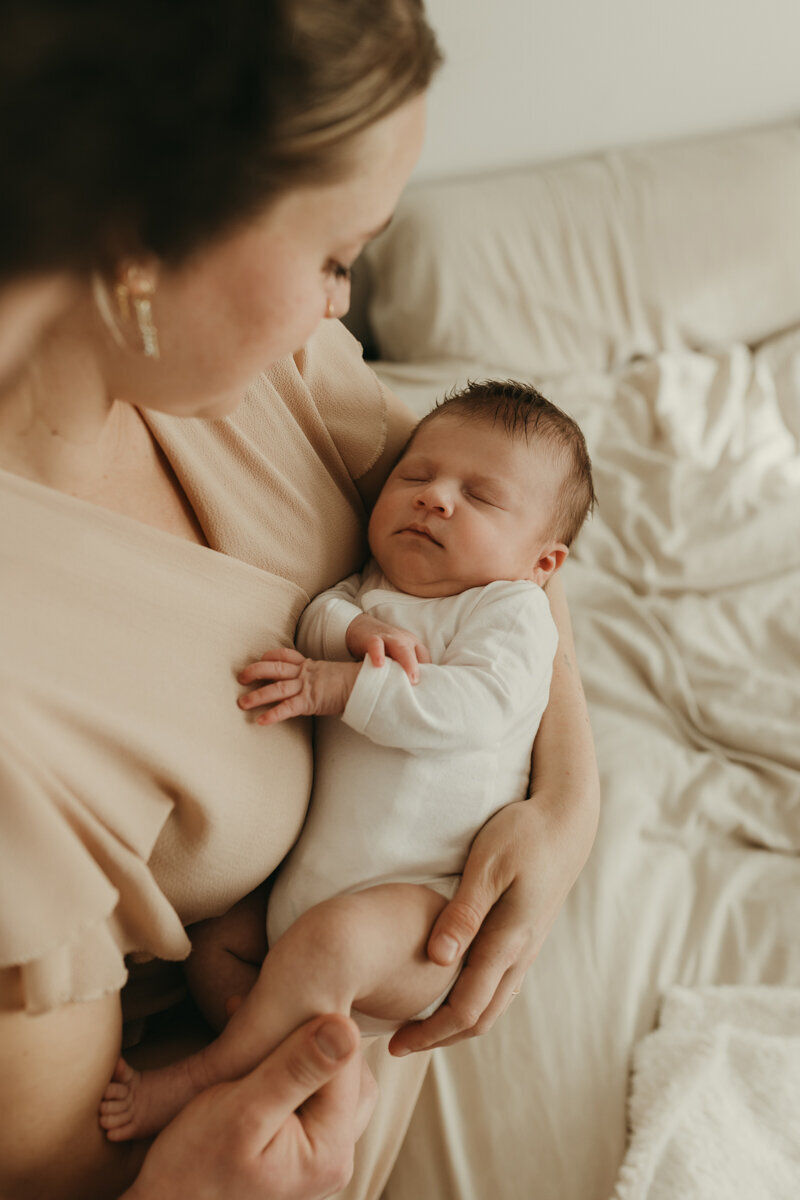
338 271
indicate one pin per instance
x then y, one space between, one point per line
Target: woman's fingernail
445 948
401 1053
334 1040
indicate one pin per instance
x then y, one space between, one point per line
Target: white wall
529 80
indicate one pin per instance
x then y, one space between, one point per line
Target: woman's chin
212 408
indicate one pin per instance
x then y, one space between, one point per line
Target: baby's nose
435 499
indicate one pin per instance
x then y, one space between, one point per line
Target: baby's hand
367 636
299 686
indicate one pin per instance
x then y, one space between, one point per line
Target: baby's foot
137 1104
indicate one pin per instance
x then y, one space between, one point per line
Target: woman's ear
550 559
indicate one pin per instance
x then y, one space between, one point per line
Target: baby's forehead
460 429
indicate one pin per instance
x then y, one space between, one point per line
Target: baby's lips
423 531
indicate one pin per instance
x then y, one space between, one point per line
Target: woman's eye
338 271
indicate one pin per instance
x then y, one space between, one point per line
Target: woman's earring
330 311
136 289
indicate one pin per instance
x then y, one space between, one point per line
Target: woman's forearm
564 776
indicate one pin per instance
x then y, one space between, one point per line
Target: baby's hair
525 413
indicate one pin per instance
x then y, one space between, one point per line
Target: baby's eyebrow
495 483
414 460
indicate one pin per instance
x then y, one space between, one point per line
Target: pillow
589 263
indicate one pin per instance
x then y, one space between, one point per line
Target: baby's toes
117 1091
122 1133
122 1072
110 1107
114 1120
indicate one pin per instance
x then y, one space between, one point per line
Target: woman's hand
367 636
521 866
284 1132
298 687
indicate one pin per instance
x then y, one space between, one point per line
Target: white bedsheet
685 597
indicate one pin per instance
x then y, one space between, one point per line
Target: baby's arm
494 673
322 628
335 628
496 667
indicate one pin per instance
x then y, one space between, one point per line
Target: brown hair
156 125
524 413
347 65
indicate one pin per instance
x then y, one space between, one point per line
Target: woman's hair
524 413
156 125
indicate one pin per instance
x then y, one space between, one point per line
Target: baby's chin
426 589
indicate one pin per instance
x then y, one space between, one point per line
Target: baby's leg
364 951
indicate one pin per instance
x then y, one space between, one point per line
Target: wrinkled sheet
685 597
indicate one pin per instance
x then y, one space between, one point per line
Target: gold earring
330 311
137 289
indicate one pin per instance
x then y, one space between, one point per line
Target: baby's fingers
404 656
294 707
376 650
272 668
273 693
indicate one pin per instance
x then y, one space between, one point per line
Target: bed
654 293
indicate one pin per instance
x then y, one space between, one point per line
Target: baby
411 760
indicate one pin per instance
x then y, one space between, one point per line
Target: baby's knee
328 934
331 924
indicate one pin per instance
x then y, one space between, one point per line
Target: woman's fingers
507 991
460 920
481 993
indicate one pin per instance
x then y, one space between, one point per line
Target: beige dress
136 797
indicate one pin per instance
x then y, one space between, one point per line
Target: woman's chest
270 489
121 679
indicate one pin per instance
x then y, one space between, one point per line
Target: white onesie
406 777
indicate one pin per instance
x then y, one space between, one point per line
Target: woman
149 555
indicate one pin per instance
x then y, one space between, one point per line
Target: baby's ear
550 559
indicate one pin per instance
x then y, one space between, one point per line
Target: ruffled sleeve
65 878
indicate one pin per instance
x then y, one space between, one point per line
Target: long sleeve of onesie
497 666
323 624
